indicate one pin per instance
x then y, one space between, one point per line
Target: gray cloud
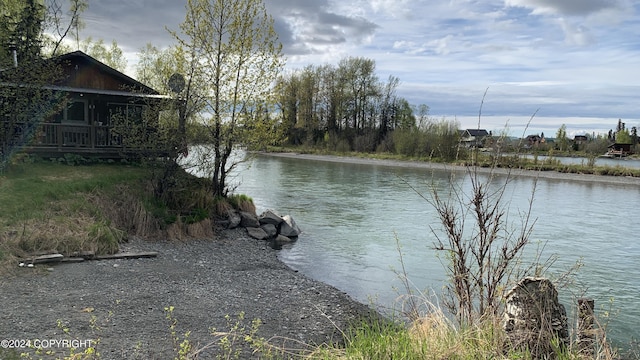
566 7
303 26
306 26
133 23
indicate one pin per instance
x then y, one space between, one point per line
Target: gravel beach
205 282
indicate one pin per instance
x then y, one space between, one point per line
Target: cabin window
125 113
74 111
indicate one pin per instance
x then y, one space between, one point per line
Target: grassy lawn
51 207
32 191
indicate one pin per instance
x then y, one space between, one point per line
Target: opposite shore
552 175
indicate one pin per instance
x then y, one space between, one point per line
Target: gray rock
281 239
233 219
248 220
257 233
288 227
270 217
270 229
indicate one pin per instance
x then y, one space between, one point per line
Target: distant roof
476 132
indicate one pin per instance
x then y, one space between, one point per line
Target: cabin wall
79 76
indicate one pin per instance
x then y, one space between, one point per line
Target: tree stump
534 319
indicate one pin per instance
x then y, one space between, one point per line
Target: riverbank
209 283
553 175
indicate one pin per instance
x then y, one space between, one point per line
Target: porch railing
81 138
71 135
63 136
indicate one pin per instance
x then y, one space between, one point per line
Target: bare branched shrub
481 246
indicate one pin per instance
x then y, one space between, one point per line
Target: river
353 217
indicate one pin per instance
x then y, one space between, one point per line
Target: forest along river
351 215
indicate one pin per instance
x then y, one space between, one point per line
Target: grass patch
28 191
51 207
64 208
242 202
434 336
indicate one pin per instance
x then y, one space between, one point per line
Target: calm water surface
351 216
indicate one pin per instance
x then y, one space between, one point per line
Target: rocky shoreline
208 282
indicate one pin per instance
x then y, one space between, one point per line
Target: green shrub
196 215
242 202
106 237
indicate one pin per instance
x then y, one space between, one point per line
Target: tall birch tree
234 49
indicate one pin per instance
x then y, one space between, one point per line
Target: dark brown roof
476 132
85 72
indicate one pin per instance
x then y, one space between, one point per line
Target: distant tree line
345 104
348 108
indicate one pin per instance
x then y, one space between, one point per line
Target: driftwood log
86 255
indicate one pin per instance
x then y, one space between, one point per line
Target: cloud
133 24
303 26
566 7
576 34
311 26
579 20
401 9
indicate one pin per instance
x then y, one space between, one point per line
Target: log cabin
87 111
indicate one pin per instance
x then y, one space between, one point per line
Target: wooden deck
55 139
615 154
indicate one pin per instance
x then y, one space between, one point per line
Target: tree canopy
233 55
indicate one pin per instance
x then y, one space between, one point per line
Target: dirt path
205 281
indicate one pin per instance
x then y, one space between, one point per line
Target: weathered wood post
585 330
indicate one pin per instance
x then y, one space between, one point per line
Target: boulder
270 217
288 227
281 239
248 220
257 233
233 219
534 318
270 229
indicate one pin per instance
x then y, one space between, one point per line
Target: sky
541 63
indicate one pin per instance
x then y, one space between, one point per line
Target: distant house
580 139
534 140
473 137
90 98
618 150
